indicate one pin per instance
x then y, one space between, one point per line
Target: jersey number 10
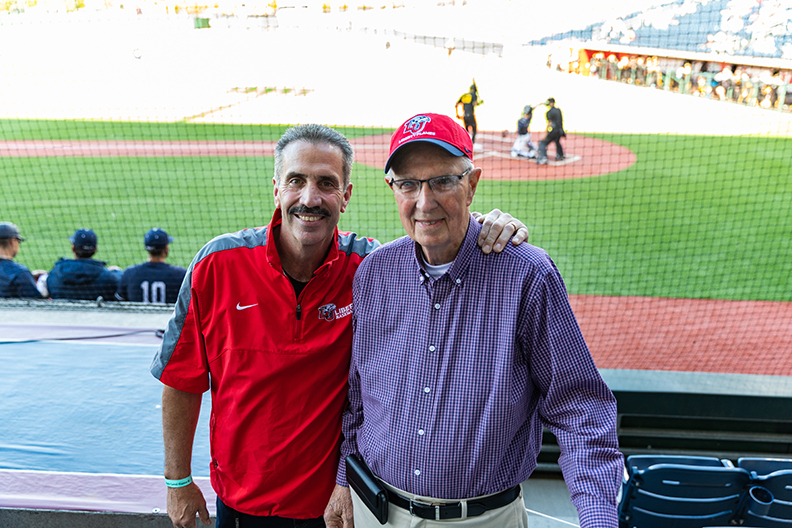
157 292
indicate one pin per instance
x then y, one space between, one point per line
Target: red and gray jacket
277 366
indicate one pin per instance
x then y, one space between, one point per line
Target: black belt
454 510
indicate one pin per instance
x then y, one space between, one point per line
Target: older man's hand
497 227
338 513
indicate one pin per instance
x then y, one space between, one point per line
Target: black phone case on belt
368 488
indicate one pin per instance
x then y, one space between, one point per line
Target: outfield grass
51 129
705 217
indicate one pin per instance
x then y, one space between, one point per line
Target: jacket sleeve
121 291
26 285
181 361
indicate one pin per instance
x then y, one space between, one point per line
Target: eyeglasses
438 184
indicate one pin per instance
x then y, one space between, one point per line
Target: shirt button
417 472
431 348
427 390
437 306
459 281
421 432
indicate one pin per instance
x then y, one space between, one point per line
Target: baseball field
669 220
697 217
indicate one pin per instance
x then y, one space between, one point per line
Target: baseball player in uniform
523 146
15 279
154 281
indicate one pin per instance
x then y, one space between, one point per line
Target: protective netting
669 216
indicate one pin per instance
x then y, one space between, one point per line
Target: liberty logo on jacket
328 312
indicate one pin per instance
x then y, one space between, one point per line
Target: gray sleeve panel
247 238
350 243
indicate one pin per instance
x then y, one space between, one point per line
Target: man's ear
473 180
275 193
347 196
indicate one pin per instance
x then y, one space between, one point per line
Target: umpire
555 131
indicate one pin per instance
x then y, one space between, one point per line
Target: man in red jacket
263 320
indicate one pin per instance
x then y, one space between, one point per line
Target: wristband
186 481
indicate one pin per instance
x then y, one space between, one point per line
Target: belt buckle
425 504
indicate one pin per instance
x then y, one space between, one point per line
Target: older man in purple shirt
459 358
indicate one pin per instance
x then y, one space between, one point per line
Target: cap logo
416 124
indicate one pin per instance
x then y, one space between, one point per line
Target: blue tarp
85 407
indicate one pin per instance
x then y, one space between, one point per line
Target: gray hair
315 134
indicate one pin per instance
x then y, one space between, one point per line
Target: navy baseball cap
84 239
156 239
432 128
9 230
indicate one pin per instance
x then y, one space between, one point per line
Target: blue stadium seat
764 466
779 483
763 511
681 495
644 461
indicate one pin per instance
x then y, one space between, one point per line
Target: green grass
50 129
705 217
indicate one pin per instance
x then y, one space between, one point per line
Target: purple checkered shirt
452 379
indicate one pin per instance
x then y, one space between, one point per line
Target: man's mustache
308 211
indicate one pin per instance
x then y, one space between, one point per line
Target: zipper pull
299 311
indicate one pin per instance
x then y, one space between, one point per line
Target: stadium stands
753 29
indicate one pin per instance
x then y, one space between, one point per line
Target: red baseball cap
432 128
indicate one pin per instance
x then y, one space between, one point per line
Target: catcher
523 146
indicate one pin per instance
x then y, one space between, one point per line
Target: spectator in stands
15 279
724 79
154 281
83 278
654 76
641 71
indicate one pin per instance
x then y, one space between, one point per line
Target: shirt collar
463 259
272 249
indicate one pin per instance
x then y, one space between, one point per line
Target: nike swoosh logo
240 307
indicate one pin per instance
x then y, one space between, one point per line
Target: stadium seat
763 511
665 495
764 466
638 462
779 483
